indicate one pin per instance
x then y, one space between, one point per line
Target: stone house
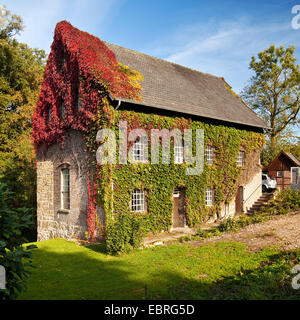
285 168
77 198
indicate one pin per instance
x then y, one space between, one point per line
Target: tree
274 90
21 74
10 24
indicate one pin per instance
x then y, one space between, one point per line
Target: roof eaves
292 157
190 113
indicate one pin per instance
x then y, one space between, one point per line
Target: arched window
65 189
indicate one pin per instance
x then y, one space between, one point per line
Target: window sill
63 211
139 212
140 161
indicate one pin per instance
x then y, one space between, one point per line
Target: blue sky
217 37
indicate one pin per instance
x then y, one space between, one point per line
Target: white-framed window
209 197
241 158
178 153
65 189
138 201
139 150
279 174
209 154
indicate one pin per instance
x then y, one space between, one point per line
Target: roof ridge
166 61
138 60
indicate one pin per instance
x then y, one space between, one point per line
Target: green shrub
125 234
138 232
12 254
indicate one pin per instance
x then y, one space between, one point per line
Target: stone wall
52 221
45 212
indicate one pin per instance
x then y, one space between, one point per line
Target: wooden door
179 218
239 200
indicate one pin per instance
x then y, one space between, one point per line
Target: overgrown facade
90 85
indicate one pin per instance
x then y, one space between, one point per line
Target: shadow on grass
92 274
100 248
271 280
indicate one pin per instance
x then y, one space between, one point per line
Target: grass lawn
65 270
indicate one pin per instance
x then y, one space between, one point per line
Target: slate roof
170 86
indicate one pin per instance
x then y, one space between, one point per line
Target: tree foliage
21 72
10 24
274 90
12 253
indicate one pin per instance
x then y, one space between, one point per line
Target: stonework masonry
52 221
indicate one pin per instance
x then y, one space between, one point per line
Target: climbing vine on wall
126 229
80 73
80 70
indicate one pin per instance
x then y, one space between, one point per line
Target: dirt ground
282 232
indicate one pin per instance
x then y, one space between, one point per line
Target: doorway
239 200
179 216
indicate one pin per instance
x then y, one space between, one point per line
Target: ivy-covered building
89 85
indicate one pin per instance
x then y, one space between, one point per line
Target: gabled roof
173 87
290 156
293 158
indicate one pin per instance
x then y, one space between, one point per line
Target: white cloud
225 48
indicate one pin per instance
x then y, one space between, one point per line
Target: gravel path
282 232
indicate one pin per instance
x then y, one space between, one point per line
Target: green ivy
124 229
